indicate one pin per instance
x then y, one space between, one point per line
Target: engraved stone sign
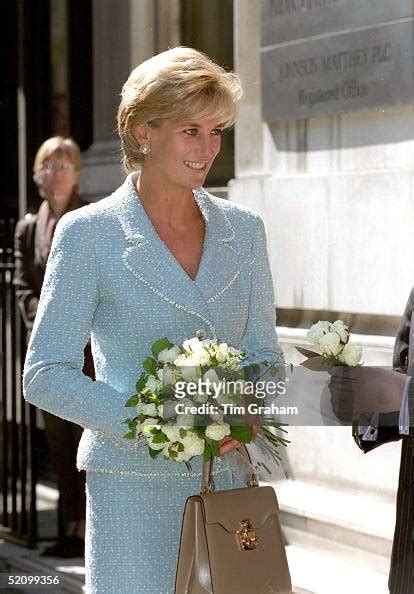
287 20
370 66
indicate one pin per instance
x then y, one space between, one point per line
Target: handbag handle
207 483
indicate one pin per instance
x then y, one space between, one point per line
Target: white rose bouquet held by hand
332 339
190 397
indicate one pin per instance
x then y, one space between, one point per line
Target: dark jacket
30 256
402 561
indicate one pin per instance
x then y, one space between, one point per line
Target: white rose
168 355
317 331
153 383
341 329
211 376
193 445
330 344
213 383
189 369
351 355
181 360
201 358
185 402
170 375
171 431
222 352
174 447
217 431
192 345
185 421
200 398
189 373
150 410
149 424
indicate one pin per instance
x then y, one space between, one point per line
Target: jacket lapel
151 262
221 263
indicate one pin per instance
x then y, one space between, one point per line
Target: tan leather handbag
231 542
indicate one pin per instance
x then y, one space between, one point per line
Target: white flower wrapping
180 436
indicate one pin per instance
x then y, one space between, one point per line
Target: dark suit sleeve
388 426
26 292
402 340
402 359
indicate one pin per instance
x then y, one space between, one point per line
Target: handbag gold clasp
247 536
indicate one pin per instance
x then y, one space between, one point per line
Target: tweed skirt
133 527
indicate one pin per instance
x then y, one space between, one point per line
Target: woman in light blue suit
159 257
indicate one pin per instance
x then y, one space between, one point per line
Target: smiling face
182 152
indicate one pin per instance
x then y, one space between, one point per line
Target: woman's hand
228 443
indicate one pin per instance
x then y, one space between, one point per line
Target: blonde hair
55 146
180 83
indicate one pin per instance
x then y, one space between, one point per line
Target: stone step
20 560
360 521
335 540
322 573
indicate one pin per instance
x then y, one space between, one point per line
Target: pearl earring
145 149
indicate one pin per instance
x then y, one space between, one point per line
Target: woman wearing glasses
56 173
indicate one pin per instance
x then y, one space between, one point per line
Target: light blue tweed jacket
111 279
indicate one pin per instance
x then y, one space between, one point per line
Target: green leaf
172 453
141 382
159 345
241 433
183 433
215 448
211 449
307 352
127 422
314 363
130 435
160 438
154 453
150 366
132 401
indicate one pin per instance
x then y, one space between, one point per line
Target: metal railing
19 464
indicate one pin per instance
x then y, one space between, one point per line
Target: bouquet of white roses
335 349
332 339
190 397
